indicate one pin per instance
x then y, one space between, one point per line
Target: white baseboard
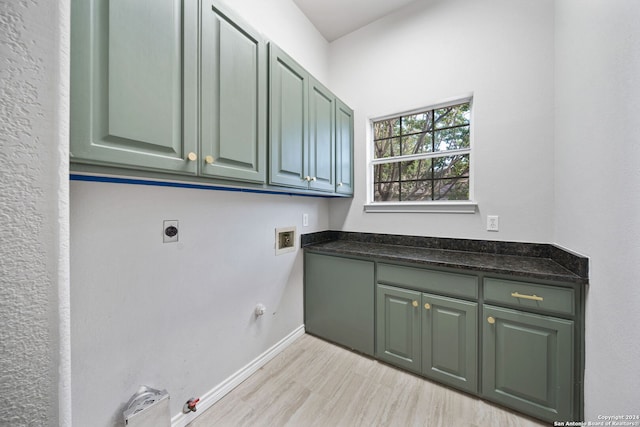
219 391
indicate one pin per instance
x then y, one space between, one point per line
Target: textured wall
32 201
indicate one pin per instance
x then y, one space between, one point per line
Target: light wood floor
314 383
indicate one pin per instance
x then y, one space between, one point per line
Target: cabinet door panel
233 100
321 137
398 327
528 362
344 148
128 78
449 346
288 120
338 300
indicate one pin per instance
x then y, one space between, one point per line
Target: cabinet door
344 148
449 341
338 300
234 103
528 362
398 327
134 84
288 120
321 154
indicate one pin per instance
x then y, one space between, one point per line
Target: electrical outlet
305 220
170 231
493 222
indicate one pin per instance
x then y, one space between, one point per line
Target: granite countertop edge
535 261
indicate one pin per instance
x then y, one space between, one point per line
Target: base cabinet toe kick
512 340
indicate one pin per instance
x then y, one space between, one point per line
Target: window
424 156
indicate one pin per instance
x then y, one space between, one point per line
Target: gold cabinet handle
491 320
192 156
531 297
415 303
209 160
427 306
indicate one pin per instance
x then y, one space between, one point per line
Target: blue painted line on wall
134 181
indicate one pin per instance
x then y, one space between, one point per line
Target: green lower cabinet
338 300
528 362
429 334
449 341
398 329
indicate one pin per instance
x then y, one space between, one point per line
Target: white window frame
434 206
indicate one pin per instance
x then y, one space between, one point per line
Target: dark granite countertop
536 261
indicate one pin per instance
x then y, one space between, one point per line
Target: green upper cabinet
288 120
306 122
321 153
186 87
134 84
344 148
233 99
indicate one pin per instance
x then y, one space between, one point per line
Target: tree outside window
423 156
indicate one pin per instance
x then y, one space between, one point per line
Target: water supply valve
259 310
190 406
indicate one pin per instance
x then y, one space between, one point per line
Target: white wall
34 282
430 51
597 186
180 316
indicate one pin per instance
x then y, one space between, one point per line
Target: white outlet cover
493 223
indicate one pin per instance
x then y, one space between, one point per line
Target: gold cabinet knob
313 178
415 303
427 306
209 160
491 320
339 184
307 178
192 156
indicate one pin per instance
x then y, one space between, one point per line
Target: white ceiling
335 18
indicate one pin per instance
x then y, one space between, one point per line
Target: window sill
465 207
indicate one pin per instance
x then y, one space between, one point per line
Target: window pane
387 148
415 144
416 123
452 139
416 170
451 189
386 128
451 166
416 191
386 172
452 116
428 133
387 192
